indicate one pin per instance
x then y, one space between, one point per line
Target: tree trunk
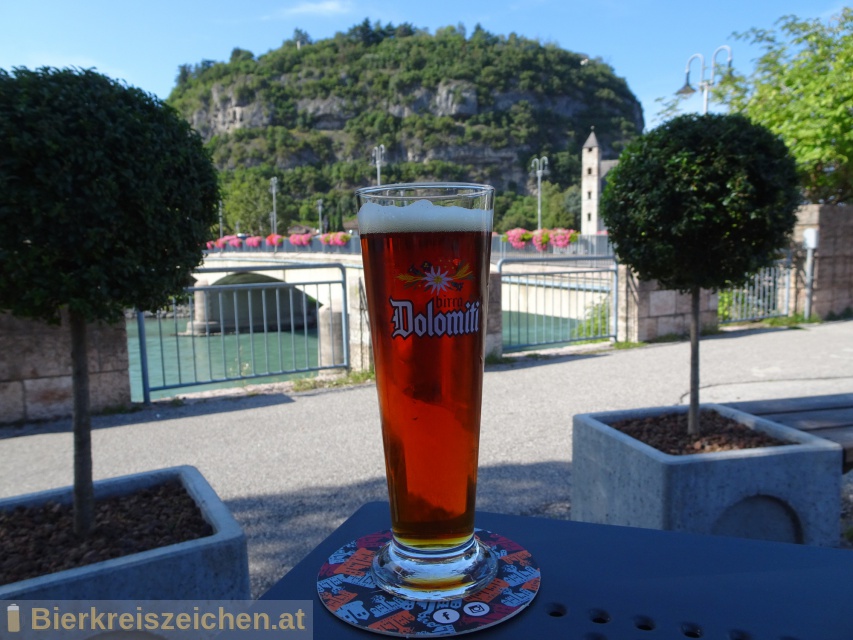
693 426
84 495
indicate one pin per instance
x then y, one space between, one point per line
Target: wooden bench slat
829 417
813 420
787 405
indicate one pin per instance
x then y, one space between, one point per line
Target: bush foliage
701 201
106 196
800 89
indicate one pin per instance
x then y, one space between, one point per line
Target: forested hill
446 106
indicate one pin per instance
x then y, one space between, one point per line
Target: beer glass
426 267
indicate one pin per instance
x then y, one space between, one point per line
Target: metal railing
551 301
767 294
221 333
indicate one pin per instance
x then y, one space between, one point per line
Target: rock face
226 113
456 99
326 113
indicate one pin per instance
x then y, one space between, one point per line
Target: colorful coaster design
345 586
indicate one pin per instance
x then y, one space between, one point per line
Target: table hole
644 624
555 609
594 636
737 634
690 630
599 616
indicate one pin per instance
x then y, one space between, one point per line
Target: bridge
216 263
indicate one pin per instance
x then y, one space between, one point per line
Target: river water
216 361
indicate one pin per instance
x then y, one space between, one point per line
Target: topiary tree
701 202
106 198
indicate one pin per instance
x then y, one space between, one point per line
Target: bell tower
590 185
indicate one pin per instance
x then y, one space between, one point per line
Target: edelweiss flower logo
436 280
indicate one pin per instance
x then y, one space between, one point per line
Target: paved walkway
292 466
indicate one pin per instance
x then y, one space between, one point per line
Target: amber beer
428 350
426 275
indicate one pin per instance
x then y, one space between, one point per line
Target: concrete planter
789 493
211 568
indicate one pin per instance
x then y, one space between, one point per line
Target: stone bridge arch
229 305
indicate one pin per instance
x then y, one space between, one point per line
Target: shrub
107 197
701 202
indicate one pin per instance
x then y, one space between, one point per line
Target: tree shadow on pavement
283 528
533 359
158 411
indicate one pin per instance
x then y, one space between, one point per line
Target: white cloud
314 8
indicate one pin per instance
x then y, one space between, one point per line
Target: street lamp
320 212
539 165
274 188
378 154
704 85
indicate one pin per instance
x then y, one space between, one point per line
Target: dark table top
602 582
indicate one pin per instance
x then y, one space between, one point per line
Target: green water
522 330
216 361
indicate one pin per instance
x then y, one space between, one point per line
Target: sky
647 42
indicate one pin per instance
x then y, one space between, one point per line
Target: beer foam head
421 215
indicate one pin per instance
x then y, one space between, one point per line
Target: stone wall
647 312
494 321
35 369
833 272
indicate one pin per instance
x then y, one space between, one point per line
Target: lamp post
704 85
320 213
220 219
810 240
539 165
274 188
378 154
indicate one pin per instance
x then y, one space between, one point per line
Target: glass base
448 574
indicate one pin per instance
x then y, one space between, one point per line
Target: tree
248 202
701 202
801 90
301 37
560 208
106 198
241 55
185 72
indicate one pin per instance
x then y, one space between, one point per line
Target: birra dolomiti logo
448 313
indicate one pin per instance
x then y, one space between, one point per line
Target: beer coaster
346 588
